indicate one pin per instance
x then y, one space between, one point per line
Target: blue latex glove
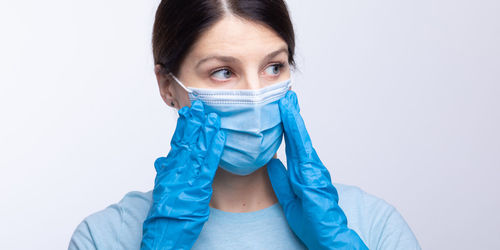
183 184
305 191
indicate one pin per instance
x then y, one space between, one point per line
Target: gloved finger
160 164
298 142
194 121
280 181
197 109
181 125
213 155
175 161
305 167
208 131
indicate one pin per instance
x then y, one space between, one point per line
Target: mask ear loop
292 81
180 83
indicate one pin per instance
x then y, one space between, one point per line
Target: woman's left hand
305 191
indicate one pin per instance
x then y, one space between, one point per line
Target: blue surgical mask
251 120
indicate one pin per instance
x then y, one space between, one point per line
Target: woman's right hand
183 184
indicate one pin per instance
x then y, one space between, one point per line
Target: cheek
182 98
184 102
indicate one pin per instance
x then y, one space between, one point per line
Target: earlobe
165 86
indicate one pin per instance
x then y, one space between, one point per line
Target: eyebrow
275 53
230 59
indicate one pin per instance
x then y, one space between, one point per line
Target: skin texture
243 48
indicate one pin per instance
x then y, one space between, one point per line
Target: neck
240 194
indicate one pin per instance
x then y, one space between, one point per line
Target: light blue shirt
119 226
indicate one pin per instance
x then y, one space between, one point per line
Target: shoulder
377 222
356 200
119 224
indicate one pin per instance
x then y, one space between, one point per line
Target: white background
401 98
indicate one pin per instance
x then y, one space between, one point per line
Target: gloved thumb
280 181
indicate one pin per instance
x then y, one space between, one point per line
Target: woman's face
233 54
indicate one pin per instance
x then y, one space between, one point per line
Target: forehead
237 37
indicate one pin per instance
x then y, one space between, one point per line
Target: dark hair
179 23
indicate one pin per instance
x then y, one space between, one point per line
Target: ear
165 86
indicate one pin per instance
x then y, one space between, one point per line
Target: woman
226 66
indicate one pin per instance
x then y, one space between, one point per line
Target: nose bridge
252 81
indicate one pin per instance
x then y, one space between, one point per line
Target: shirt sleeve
396 234
377 222
388 230
100 230
82 238
119 226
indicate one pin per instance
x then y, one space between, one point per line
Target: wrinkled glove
305 191
183 184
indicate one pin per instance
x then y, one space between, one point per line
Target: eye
222 74
274 69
